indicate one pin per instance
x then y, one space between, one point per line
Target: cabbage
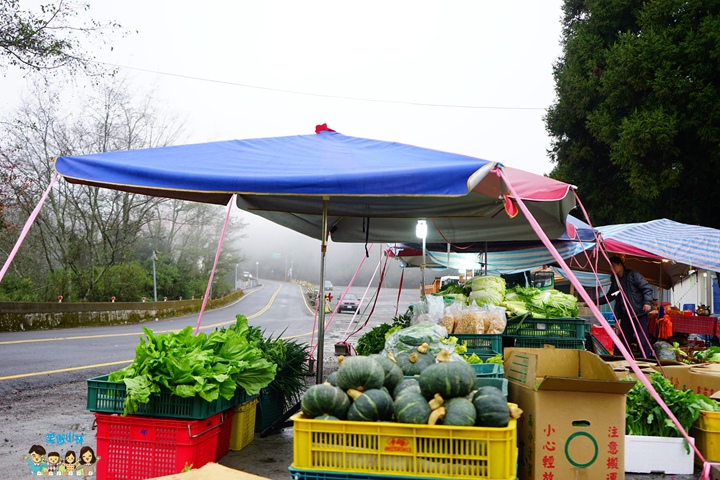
541 303
488 282
483 297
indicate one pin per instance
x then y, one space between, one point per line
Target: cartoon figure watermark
36 460
69 463
87 461
53 463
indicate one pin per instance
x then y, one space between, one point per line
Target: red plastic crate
603 337
137 447
225 433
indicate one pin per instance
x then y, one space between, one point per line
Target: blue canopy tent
355 189
500 257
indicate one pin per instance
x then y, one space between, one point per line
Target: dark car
350 303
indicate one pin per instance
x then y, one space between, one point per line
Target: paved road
36 359
43 358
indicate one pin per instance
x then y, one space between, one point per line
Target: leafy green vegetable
473 358
710 354
488 282
549 303
643 415
189 365
291 359
374 340
495 359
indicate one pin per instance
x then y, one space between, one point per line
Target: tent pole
321 296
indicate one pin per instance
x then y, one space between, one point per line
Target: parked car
350 303
328 286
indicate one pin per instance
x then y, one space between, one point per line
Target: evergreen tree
636 124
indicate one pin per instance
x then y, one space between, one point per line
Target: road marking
85 367
62 370
97 365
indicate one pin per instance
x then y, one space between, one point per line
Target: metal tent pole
321 296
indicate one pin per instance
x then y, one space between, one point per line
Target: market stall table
700 325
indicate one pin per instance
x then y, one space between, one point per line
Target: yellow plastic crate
709 421
404 449
708 443
243 427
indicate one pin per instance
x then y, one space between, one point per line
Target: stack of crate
532 332
166 435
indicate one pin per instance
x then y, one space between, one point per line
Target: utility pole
154 280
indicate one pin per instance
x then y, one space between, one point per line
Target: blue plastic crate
610 317
499 383
489 370
298 474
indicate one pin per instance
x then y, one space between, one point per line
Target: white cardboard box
658 454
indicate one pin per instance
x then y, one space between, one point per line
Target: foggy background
274 247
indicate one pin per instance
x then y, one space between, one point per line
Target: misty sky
470 77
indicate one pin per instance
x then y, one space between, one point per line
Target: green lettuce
209 366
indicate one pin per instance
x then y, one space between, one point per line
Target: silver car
350 303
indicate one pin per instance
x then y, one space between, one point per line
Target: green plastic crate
109 397
562 328
540 342
482 345
270 408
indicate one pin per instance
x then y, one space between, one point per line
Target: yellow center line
97 365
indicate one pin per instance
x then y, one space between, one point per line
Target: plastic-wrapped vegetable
410 338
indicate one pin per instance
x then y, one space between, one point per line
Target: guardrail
20 316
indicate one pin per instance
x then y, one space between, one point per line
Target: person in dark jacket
639 294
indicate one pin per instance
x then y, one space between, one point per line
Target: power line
309 94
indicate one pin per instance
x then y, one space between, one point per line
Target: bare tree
81 231
49 37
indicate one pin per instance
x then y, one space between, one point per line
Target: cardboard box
624 372
658 455
702 378
212 471
573 425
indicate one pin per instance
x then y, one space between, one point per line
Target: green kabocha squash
459 411
326 417
332 379
407 385
393 373
413 362
360 374
489 390
372 406
448 379
492 409
411 407
324 399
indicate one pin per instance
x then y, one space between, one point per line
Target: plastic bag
410 338
663 352
494 319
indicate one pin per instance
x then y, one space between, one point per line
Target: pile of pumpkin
413 388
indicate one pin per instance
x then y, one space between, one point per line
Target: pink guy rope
212 272
352 280
581 290
27 226
362 300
